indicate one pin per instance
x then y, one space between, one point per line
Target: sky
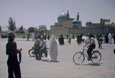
45 12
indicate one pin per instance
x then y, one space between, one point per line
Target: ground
64 68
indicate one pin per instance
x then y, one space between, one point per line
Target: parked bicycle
79 57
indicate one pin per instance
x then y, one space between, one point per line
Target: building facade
66 25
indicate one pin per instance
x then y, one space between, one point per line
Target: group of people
33 35
108 39
89 41
40 47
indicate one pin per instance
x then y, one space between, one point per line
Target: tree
12 25
31 29
21 29
42 29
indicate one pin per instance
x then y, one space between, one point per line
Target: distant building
66 25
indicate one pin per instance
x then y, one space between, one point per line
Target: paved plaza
64 68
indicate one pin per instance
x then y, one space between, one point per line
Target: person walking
79 39
13 63
99 39
28 36
110 38
33 36
106 38
114 38
69 39
61 40
37 48
53 50
43 47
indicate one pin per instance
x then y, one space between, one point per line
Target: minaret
78 16
67 14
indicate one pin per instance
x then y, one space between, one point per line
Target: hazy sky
45 12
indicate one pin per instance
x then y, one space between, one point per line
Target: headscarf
11 36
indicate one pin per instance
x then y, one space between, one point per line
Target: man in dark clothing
99 39
37 48
28 36
12 62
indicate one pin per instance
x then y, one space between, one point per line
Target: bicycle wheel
96 57
78 58
31 53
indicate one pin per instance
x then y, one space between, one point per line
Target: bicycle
79 57
32 53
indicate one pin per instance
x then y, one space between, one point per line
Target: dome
62 17
75 22
88 23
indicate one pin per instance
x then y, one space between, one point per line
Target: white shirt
43 44
91 40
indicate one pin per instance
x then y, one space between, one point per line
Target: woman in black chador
61 40
12 62
106 38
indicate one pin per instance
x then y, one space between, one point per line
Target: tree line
12 27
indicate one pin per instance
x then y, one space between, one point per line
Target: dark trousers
14 69
44 51
90 49
100 44
38 53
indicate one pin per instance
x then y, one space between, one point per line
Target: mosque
66 25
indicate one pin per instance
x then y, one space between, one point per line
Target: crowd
40 48
107 38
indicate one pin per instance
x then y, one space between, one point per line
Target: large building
66 25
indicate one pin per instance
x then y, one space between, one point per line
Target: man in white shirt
43 47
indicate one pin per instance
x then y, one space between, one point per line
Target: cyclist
91 45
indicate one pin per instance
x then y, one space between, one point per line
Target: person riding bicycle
91 45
